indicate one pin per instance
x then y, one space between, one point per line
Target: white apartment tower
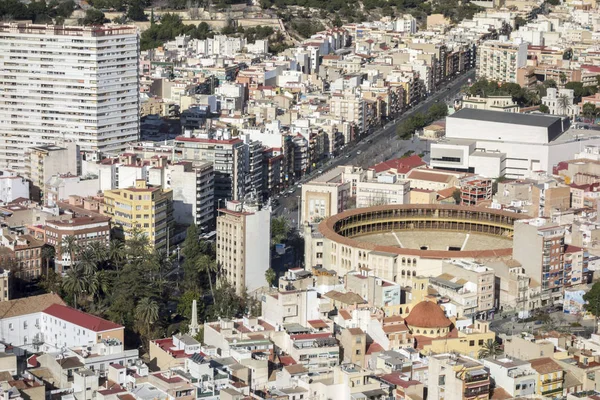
67 83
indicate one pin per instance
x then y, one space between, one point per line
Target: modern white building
61 83
494 144
12 186
244 245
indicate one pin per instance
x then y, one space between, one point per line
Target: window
471 343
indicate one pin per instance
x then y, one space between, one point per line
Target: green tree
280 230
191 251
69 245
589 110
456 196
592 298
563 102
146 313
93 17
75 283
490 349
116 253
184 305
207 265
48 254
135 11
544 108
270 276
562 77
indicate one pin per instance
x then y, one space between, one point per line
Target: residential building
193 186
527 348
475 191
353 344
60 187
378 292
93 106
243 259
5 285
550 377
142 208
83 229
516 377
385 188
12 187
539 245
172 352
47 161
324 196
458 377
226 154
23 253
500 60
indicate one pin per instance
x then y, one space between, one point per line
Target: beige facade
353 343
493 103
499 61
46 161
324 196
243 259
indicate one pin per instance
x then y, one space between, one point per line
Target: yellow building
147 209
551 377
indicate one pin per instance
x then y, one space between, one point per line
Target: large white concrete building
60 83
493 144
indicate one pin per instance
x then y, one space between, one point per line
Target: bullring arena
399 242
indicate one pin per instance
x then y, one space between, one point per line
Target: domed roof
428 314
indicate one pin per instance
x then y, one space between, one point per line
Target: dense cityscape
295 199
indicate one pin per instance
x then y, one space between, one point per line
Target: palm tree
563 102
99 251
146 312
87 261
69 245
75 282
270 276
562 77
490 349
48 254
589 110
206 264
116 252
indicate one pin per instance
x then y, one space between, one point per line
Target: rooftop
80 318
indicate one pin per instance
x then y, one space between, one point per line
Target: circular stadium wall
399 242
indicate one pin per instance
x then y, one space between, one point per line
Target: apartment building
500 60
193 186
5 291
23 253
142 208
324 196
378 292
462 280
227 155
349 107
84 229
550 377
515 376
539 245
47 161
76 83
458 377
385 188
243 245
475 191
12 187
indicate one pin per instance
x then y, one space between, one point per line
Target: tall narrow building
67 83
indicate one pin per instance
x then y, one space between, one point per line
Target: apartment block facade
499 61
70 83
243 245
146 209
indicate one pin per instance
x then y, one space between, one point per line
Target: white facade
492 144
385 189
500 60
12 186
59 83
561 102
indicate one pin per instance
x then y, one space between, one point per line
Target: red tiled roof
80 318
287 360
428 314
317 323
374 348
402 165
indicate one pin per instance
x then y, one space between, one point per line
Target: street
380 146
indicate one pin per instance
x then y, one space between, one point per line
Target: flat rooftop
538 120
